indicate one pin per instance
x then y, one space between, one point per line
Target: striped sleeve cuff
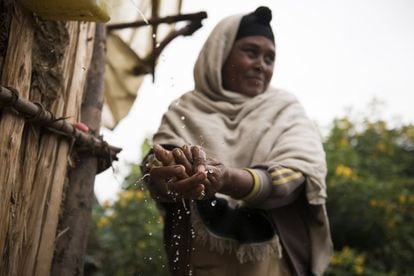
261 186
282 175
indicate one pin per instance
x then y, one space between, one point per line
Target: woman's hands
186 173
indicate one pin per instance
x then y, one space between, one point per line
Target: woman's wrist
236 182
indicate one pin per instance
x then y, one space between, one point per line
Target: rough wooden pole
17 69
74 223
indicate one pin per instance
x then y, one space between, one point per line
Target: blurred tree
371 198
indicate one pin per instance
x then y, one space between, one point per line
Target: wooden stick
36 113
155 21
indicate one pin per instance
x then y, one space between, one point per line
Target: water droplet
184 205
150 233
210 171
142 178
157 45
149 258
183 126
154 35
182 118
139 11
213 203
188 212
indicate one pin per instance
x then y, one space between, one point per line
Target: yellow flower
359 269
141 244
335 260
139 195
381 147
343 142
360 260
402 198
102 222
342 170
346 252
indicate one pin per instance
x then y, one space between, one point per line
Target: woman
238 169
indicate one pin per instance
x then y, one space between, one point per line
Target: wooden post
77 63
17 70
33 163
74 224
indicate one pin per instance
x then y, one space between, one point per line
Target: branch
155 21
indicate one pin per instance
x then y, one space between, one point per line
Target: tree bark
74 224
17 68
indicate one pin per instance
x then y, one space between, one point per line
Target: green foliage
126 236
371 199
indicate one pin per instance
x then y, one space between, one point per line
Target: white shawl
270 129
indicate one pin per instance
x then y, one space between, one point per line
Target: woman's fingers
199 159
180 158
167 173
184 187
165 156
187 152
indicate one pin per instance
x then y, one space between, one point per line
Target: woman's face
249 67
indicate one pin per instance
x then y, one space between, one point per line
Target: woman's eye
250 52
269 59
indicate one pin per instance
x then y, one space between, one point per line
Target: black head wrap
256 23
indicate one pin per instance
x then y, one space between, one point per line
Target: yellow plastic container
82 10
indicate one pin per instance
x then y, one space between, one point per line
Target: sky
337 56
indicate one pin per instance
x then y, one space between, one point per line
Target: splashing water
139 181
184 205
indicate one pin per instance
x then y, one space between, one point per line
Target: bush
371 199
